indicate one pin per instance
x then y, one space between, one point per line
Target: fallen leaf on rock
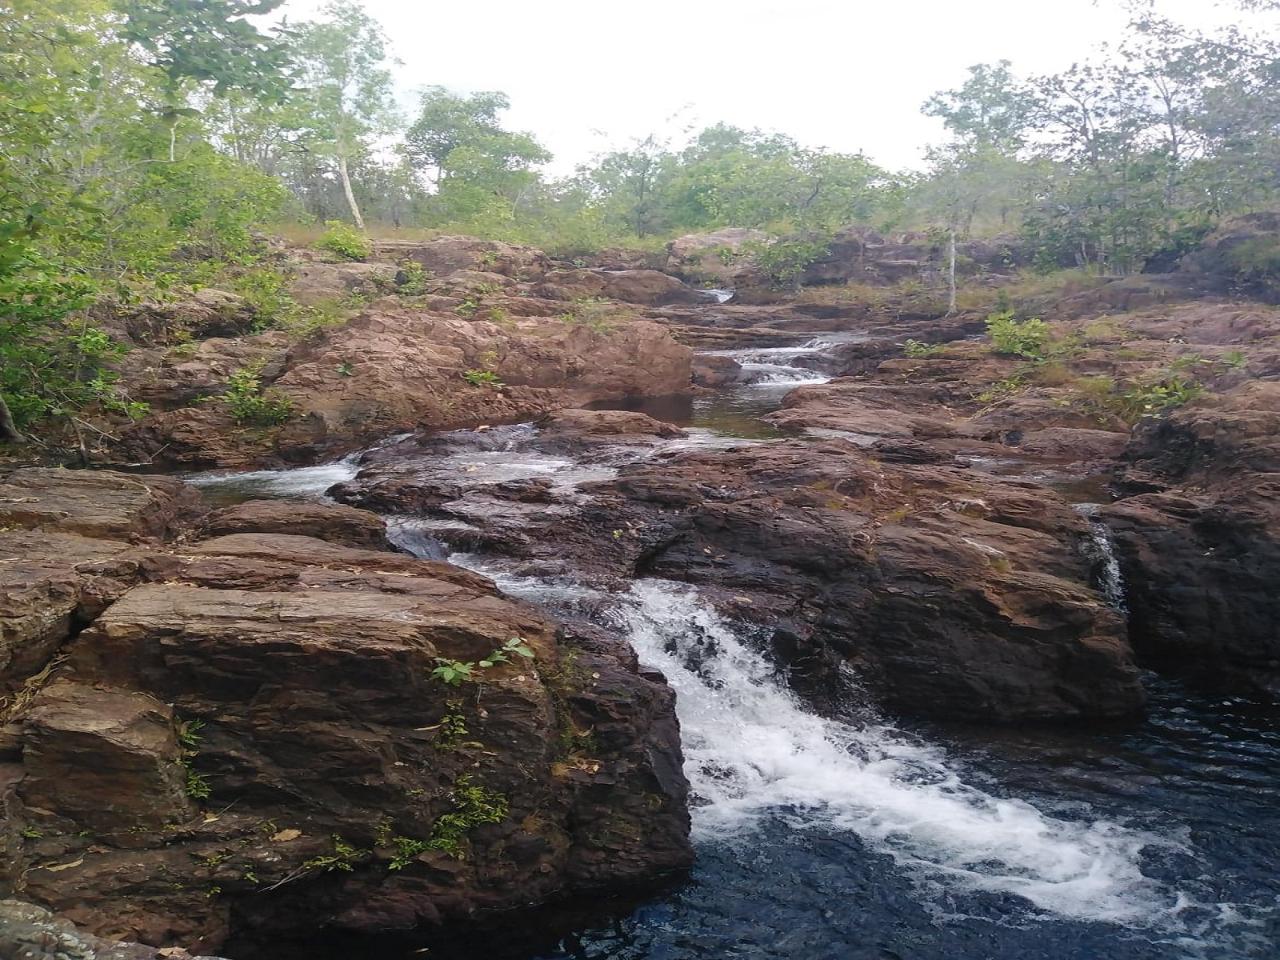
284 836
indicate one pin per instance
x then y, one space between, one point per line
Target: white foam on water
293 483
752 751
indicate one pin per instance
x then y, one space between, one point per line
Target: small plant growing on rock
473 805
452 727
343 857
1156 397
482 378
187 733
411 279
250 404
919 351
457 672
1235 360
345 241
1018 338
597 313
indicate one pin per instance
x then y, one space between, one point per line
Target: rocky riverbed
771 567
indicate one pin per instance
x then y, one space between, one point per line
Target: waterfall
1102 552
752 751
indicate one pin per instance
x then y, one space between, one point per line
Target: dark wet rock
950 593
1200 552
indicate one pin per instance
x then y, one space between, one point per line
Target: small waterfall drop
753 752
1101 550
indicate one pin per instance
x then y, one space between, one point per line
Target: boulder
721 257
247 736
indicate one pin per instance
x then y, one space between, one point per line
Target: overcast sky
586 76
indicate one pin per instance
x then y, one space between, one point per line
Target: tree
991 111
446 121
209 40
346 95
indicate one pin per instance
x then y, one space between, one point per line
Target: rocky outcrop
395 368
647 287
950 593
245 737
1200 552
859 255
722 257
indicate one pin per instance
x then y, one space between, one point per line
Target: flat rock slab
103 504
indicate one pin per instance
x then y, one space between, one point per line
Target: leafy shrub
783 262
343 857
250 404
1155 397
411 279
1018 338
345 241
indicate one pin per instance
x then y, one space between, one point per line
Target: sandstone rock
721 256
265 680
716 372
1200 557
446 256
1200 574
205 313
102 760
316 281
51 585
950 593
324 521
98 504
394 369
630 286
583 426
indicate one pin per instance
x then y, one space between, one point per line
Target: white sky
586 76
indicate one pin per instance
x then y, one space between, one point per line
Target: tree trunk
951 273
8 429
351 197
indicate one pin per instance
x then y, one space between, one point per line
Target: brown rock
98 504
324 521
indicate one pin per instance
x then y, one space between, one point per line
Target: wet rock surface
949 592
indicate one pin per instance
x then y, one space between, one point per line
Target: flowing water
854 837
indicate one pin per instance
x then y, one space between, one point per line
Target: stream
857 837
